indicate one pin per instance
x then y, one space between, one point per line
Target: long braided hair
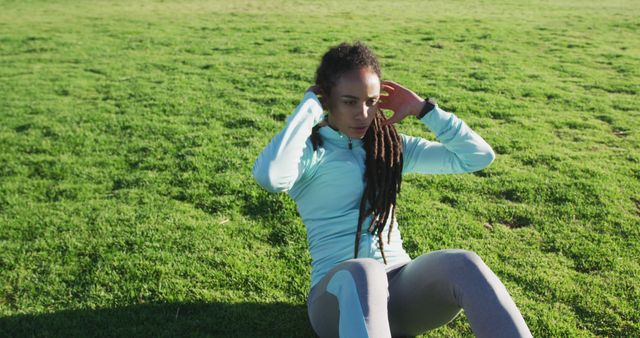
382 144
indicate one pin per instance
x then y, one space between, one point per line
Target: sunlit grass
128 131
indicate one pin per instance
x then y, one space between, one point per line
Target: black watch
429 104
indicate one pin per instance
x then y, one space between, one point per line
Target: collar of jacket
341 140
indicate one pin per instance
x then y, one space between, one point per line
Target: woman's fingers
383 105
385 102
387 88
395 118
386 98
400 100
389 83
315 88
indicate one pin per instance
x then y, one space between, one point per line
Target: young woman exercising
344 171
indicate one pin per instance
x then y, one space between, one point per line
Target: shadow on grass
168 320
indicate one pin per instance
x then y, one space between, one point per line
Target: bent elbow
485 159
489 157
480 161
267 180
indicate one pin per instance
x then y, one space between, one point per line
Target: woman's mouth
360 129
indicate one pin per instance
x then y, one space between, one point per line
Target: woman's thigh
422 295
358 288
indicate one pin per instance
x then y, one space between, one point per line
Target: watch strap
429 104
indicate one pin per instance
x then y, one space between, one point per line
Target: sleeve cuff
429 105
314 105
308 108
437 119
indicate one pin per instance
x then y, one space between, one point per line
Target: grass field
128 133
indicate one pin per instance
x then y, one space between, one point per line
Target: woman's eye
350 103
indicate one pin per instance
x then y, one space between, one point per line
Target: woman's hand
401 100
315 89
318 91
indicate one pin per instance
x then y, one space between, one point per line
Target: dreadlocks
382 144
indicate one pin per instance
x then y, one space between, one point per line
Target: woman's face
353 102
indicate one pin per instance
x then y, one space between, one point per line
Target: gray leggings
360 298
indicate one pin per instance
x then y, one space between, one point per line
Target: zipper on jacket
348 137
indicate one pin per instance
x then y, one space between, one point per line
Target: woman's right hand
318 91
315 89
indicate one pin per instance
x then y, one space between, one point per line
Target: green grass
128 132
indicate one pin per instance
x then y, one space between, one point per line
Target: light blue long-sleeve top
327 184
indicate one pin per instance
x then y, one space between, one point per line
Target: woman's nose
363 112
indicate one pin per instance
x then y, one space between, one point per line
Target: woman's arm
282 162
459 149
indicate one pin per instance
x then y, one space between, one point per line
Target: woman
344 172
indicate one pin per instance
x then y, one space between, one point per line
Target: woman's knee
464 259
453 261
367 270
367 273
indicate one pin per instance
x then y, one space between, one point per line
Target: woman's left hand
401 100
